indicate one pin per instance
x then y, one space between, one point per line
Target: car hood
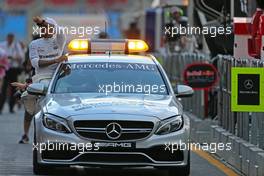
67 105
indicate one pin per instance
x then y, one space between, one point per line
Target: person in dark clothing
103 35
133 32
15 55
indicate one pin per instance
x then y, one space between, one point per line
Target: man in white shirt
16 56
45 54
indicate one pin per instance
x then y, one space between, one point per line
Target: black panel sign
248 89
247 93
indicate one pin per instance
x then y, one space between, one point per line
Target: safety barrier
244 130
174 65
246 125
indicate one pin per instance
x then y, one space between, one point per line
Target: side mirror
182 91
36 89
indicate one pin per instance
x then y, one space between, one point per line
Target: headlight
55 123
170 125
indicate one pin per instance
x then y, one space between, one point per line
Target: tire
181 171
39 169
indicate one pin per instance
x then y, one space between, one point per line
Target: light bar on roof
104 46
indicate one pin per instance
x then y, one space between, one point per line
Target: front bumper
152 151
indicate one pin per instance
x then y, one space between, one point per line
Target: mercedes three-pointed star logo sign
113 130
248 84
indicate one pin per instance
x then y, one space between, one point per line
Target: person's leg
27 122
12 99
1 84
4 91
13 78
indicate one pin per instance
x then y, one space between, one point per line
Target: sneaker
24 139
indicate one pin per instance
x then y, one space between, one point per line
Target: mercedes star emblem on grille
113 130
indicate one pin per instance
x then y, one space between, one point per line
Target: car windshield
109 77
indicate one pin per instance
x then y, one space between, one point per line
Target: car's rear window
109 77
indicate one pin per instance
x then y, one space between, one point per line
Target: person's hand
19 86
66 68
61 59
37 20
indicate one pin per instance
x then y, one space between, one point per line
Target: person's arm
36 62
41 22
60 37
20 86
45 63
33 55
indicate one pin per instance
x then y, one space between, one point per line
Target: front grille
157 153
96 129
60 151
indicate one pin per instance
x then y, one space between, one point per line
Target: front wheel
181 171
40 169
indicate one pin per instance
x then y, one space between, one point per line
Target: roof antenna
108 52
105 27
